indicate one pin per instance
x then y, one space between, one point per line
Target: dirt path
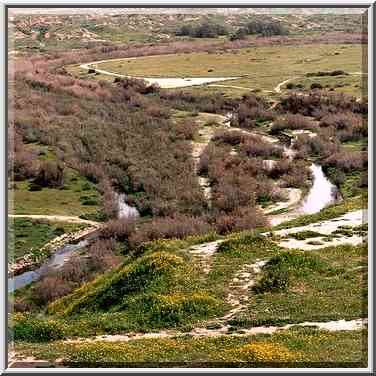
55 218
231 86
205 134
277 89
239 287
203 253
331 326
294 196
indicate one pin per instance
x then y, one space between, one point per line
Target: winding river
321 194
125 210
56 261
63 254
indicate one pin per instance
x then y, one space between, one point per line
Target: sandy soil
204 253
355 218
240 285
331 326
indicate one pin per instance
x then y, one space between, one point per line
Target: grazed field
262 67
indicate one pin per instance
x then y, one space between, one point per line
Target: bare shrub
50 288
240 219
186 130
255 147
279 168
320 145
291 121
345 161
50 174
298 175
229 137
91 171
74 270
119 229
176 227
102 256
341 121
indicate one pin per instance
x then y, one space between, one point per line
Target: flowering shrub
30 329
265 352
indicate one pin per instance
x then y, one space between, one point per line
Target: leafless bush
186 130
291 121
50 174
298 175
255 147
240 219
119 229
176 227
50 288
320 145
345 161
102 256
229 137
74 270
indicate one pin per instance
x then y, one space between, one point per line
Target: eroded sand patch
329 232
203 253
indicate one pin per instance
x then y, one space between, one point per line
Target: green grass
30 235
297 347
303 235
64 201
154 291
355 145
257 66
350 84
246 61
295 283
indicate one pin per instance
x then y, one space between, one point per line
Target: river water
56 261
321 194
64 253
125 210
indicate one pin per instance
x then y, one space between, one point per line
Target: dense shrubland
292 122
251 112
122 137
262 28
341 120
205 30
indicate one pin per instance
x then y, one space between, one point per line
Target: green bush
156 272
33 187
279 270
87 200
35 330
172 309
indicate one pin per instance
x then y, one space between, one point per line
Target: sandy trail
239 287
277 89
231 86
205 134
332 326
203 253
